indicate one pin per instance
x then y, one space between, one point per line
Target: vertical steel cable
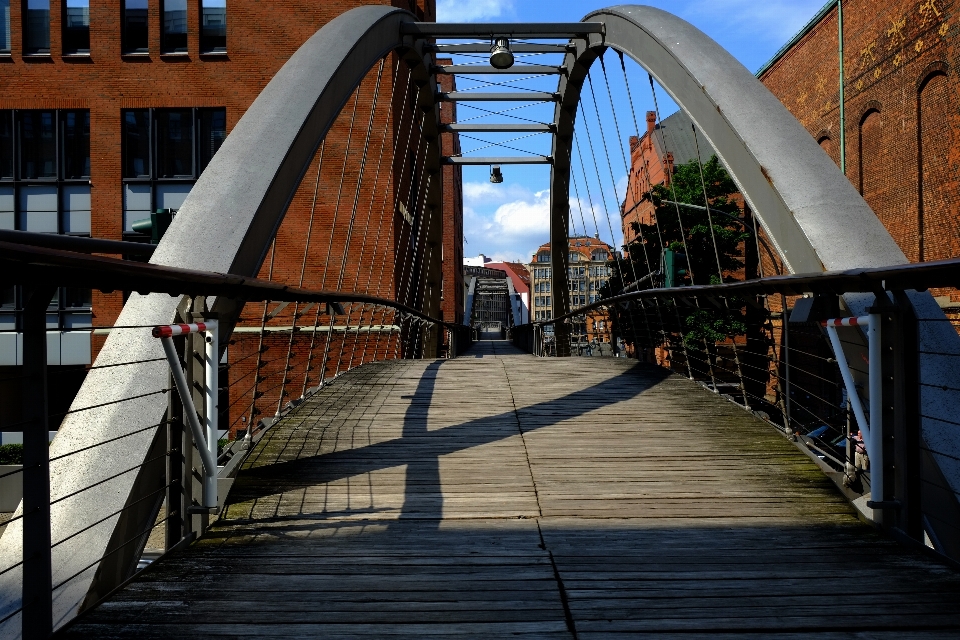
603 199
363 245
263 325
606 151
716 253
296 307
333 226
353 213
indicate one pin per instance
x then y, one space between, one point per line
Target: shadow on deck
503 495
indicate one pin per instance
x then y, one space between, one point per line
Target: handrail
80 244
918 276
27 265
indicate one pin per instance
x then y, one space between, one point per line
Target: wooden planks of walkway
500 495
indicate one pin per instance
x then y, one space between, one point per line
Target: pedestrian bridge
383 478
500 495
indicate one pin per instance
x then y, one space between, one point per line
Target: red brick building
901 128
112 110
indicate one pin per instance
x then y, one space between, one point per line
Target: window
76 27
543 257
599 255
45 188
4 26
45 171
134 38
213 26
164 152
174 26
574 256
36 27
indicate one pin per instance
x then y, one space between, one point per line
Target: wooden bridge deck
499 495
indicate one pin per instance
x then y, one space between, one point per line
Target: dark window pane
36 27
135 26
213 26
174 143
213 131
76 27
38 144
76 144
174 26
8 297
136 143
74 298
5 26
6 144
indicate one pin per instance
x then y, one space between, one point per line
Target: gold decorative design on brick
877 72
943 29
867 52
860 85
895 32
898 60
928 12
919 46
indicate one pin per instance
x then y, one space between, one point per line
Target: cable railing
779 364
342 331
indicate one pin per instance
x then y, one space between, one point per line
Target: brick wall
343 229
902 112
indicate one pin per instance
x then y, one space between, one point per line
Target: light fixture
500 55
495 176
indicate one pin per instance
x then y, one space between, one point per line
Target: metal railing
182 496
833 360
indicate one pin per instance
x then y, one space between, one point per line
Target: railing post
901 376
37 565
175 503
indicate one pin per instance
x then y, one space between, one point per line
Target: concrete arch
225 225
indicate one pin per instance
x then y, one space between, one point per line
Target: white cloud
524 218
770 20
473 10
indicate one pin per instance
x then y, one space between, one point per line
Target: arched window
934 223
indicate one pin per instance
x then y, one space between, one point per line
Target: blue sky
509 220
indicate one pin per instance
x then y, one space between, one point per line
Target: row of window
575 299
134 21
45 164
598 271
69 308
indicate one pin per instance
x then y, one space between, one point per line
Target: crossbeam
516 70
515 96
511 29
458 160
457 127
485 48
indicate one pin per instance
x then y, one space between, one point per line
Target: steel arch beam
808 208
225 225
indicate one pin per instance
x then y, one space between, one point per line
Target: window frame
64 30
204 39
66 317
177 50
29 51
125 46
152 178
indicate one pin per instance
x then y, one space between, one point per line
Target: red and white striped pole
872 430
206 442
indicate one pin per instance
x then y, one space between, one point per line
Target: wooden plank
446 498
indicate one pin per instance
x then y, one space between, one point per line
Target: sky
509 221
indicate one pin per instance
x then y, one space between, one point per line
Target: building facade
588 271
899 139
110 111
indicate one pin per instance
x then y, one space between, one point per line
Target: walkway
499 495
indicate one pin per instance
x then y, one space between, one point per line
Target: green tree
687 230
